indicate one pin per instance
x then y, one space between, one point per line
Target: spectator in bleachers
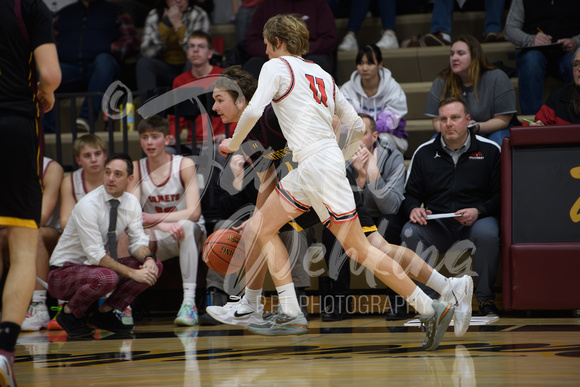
442 19
548 34
93 38
202 74
487 91
372 90
37 316
563 105
244 11
321 26
458 174
358 11
164 43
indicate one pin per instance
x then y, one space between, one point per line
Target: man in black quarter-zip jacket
457 173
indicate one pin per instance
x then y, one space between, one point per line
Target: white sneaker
36 318
348 43
460 295
388 41
239 312
82 125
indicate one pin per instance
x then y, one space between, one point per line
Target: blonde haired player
305 99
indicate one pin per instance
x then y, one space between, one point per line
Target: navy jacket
443 187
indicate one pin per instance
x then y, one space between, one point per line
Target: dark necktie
112 235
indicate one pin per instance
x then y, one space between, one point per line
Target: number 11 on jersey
317 85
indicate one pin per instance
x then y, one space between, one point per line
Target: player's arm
49 75
354 124
51 183
191 192
67 200
268 84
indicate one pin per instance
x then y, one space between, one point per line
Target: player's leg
248 309
436 315
189 249
37 316
262 230
20 280
456 291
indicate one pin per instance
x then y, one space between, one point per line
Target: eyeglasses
194 46
575 65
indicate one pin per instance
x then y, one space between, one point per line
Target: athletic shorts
320 183
310 219
20 163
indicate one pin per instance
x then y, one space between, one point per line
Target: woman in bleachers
373 90
486 90
563 105
164 42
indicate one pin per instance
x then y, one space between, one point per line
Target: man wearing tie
84 264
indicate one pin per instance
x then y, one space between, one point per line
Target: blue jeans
90 77
449 237
533 66
359 9
497 136
442 18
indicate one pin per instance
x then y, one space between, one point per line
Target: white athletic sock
189 293
254 297
438 282
421 302
39 296
288 300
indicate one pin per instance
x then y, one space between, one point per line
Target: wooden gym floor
516 350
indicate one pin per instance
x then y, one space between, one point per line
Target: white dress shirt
84 239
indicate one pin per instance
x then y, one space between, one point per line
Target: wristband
153 257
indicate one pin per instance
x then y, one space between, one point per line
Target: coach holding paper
456 172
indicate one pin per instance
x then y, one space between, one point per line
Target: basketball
222 253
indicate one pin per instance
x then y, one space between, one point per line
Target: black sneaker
488 308
73 326
111 321
333 314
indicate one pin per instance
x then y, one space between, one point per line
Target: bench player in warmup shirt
167 188
313 148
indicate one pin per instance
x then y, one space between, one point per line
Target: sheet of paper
441 216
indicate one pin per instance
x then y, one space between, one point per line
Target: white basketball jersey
162 196
78 184
305 123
